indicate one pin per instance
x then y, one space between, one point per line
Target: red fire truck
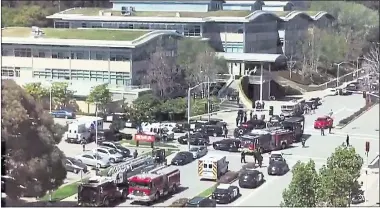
151 186
268 139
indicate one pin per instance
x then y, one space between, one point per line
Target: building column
270 79
261 82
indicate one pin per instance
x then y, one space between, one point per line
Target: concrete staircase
227 104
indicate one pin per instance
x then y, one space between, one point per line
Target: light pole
50 94
188 107
337 74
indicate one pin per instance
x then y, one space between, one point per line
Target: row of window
65 54
10 72
86 75
190 30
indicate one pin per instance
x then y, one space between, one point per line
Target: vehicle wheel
76 171
214 146
174 189
106 202
98 165
112 160
66 117
283 145
124 195
215 134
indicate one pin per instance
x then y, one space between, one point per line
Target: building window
80 74
79 55
60 73
23 52
62 25
44 73
118 56
192 30
123 25
84 25
60 54
98 55
10 72
120 78
100 76
7 51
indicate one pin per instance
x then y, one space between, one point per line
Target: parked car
199 201
323 122
231 145
251 179
182 158
63 114
198 151
74 165
91 159
125 152
114 156
212 130
196 138
278 167
225 193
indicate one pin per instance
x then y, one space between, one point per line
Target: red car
323 122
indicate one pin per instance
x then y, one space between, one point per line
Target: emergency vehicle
151 186
212 167
83 129
160 129
268 139
291 109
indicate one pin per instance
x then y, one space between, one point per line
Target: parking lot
319 148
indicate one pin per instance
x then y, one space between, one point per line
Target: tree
163 74
61 94
372 59
32 157
339 176
143 108
199 61
302 191
100 95
28 16
36 90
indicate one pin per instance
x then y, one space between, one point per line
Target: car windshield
119 146
139 185
112 151
194 149
321 119
221 191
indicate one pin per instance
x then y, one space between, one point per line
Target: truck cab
101 191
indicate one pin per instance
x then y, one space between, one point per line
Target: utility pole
208 98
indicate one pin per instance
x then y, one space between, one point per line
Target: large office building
116 57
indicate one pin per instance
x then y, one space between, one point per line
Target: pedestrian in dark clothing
255 156
242 157
250 115
322 131
83 145
237 100
135 153
225 132
348 140
241 119
237 121
245 118
262 105
330 129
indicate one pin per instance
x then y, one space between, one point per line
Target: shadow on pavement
22 203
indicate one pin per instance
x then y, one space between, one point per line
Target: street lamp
50 94
337 74
189 103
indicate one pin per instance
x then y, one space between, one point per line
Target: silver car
111 153
198 151
92 160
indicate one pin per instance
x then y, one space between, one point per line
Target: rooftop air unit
37 32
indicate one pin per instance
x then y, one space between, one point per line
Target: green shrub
179 202
348 119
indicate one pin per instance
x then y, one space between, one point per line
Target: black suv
212 130
101 193
197 138
249 126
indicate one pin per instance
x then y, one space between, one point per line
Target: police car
225 193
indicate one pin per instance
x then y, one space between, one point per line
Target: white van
92 122
76 132
212 167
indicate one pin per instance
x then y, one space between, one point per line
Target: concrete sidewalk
370 188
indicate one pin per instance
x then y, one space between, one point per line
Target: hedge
347 120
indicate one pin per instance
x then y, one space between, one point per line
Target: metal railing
359 73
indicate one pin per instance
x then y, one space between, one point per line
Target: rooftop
83 34
95 12
285 13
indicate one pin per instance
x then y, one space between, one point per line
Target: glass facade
10 72
119 78
189 30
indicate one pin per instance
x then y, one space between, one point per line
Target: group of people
243 118
257 156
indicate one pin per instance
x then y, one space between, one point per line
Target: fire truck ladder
129 165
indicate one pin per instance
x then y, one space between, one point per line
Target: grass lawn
84 34
62 192
133 143
208 192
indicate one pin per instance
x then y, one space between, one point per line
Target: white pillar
269 81
261 83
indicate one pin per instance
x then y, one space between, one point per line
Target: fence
359 73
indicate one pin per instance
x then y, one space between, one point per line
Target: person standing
250 115
262 105
322 131
225 132
135 154
255 156
237 121
245 117
348 140
242 157
83 145
330 127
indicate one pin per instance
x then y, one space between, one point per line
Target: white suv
109 152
